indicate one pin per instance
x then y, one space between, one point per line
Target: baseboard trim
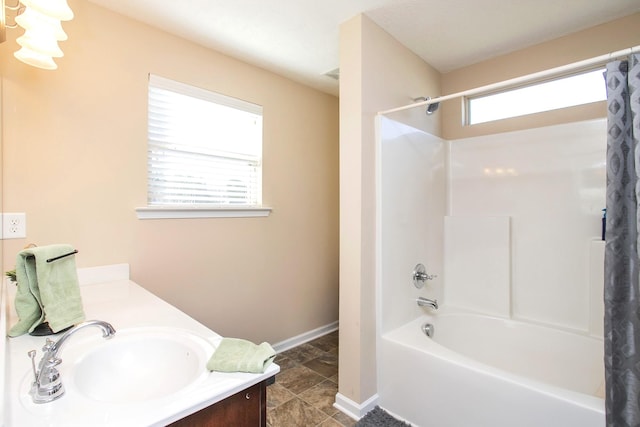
353 409
305 337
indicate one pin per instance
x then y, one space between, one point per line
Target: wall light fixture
41 20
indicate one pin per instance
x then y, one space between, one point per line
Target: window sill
176 212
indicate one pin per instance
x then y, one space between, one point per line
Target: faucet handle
420 276
32 355
48 345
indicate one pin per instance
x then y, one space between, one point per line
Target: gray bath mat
378 417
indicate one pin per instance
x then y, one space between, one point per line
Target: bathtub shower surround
477 253
622 318
518 218
526 209
410 228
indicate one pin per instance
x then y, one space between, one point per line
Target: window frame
180 211
468 100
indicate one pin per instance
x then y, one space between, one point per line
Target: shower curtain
621 292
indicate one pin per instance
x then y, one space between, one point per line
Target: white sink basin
137 364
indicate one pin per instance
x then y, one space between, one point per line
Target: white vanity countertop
124 304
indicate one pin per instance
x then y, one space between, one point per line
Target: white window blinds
204 148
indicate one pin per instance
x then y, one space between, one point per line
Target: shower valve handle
420 276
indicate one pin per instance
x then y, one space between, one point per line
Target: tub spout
425 302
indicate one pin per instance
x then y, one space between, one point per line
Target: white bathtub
481 371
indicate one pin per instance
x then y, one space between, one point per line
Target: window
560 93
204 150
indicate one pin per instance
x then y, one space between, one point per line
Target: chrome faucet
47 385
425 302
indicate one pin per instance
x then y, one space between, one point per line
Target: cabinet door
247 408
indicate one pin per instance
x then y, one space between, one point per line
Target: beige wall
2 264
599 40
376 73
74 143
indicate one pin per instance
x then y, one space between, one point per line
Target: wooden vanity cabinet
247 408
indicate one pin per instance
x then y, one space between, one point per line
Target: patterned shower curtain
621 291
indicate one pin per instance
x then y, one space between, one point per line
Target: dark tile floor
306 387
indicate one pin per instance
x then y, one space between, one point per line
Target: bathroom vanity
246 408
152 372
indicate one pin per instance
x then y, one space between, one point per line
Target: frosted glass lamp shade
41 43
35 59
58 9
33 20
41 21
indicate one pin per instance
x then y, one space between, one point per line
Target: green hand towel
238 355
26 304
46 291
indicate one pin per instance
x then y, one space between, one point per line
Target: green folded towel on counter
47 291
238 355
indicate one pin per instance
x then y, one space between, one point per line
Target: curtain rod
602 59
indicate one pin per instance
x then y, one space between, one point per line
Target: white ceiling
299 38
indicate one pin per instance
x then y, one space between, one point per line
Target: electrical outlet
14 226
